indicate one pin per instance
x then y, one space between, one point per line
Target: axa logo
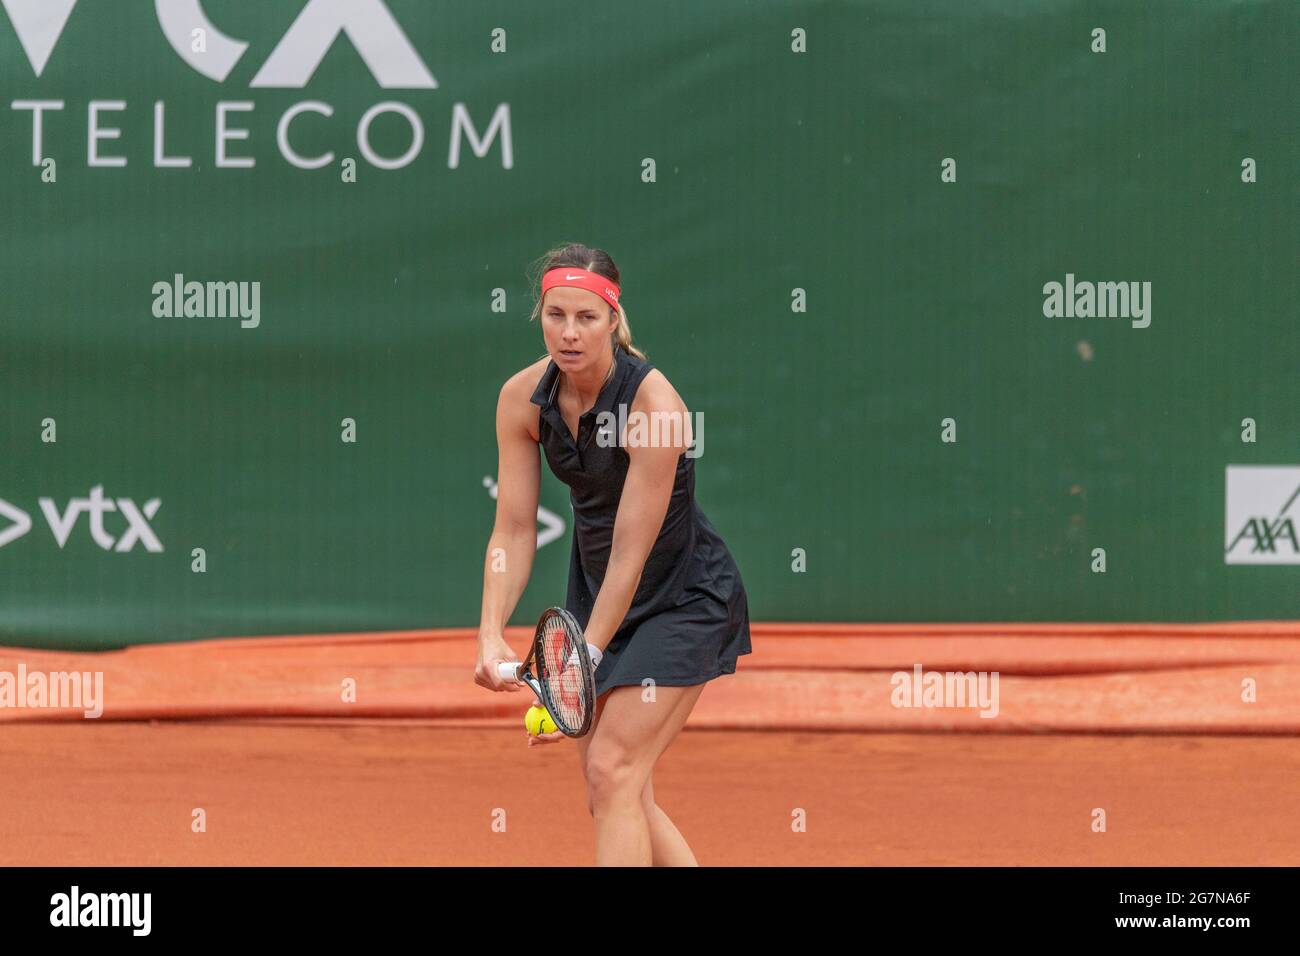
1260 514
369 24
62 522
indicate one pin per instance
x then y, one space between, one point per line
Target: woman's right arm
513 544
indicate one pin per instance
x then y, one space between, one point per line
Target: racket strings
562 674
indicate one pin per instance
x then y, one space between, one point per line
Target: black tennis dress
689 618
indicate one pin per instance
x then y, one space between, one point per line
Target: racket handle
508 670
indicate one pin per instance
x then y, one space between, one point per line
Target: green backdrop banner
971 296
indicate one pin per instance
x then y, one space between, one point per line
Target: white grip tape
508 670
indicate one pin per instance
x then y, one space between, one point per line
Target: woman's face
576 325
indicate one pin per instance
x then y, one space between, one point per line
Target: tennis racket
564 682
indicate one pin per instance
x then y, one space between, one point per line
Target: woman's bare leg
667 846
619 761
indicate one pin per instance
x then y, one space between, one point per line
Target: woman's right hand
492 650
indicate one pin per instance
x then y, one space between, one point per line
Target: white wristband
596 654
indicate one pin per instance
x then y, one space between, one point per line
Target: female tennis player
650 581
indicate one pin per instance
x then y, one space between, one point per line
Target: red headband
582 279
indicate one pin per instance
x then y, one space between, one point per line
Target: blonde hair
578 256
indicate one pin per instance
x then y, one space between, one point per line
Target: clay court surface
381 794
1148 723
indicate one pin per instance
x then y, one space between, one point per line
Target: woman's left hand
552 737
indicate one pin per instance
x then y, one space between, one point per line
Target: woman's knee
613 776
647 794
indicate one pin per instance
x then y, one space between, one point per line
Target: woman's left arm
652 469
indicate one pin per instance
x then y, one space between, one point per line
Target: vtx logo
368 23
62 524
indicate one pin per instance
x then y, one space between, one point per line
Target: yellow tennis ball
538 721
